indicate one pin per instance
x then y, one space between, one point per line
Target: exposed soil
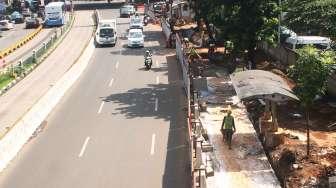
303 171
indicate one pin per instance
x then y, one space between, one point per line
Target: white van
297 42
106 33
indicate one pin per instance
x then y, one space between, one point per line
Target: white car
6 25
135 38
127 11
136 23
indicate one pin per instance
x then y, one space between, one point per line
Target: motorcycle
148 62
146 20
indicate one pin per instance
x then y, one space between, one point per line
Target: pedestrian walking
228 128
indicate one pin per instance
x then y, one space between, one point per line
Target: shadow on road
140 102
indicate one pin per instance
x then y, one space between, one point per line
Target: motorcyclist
148 54
148 58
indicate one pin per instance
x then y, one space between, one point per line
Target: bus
54 14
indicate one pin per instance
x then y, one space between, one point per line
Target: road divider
20 43
19 134
14 72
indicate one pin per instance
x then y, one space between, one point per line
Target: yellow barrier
20 43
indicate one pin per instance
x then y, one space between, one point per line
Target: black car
26 12
32 22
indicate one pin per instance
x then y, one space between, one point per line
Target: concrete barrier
14 140
20 43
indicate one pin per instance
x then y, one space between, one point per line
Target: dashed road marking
81 153
111 82
101 107
157 79
153 145
156 104
117 65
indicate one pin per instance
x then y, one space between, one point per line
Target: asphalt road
20 98
119 125
10 36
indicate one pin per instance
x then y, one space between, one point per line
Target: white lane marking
157 64
117 65
101 107
121 49
153 145
84 147
157 79
111 82
156 104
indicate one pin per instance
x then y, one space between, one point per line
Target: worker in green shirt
228 128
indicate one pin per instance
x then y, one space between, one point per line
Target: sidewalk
246 165
19 99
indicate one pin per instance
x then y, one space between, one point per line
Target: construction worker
228 128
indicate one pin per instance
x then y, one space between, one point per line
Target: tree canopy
310 73
243 22
316 17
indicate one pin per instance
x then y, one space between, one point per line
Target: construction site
270 142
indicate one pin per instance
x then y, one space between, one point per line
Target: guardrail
16 71
20 43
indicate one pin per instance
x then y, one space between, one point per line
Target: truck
106 33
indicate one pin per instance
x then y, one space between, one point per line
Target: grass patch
5 79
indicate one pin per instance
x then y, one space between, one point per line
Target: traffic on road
117 123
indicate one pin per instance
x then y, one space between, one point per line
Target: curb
24 128
20 43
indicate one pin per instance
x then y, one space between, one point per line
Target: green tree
243 22
316 17
310 74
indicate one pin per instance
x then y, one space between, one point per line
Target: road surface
11 36
118 126
20 98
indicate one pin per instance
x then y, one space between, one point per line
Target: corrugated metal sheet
254 84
